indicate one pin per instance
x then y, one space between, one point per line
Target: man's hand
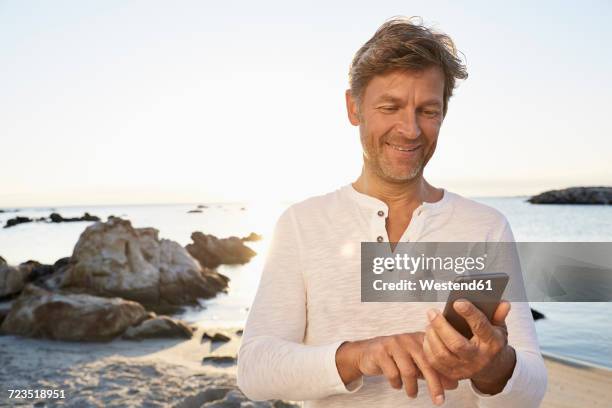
486 358
399 358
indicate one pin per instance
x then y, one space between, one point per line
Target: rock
211 251
3 313
284 404
219 360
114 259
159 327
45 276
16 221
2 261
11 280
208 395
575 195
239 332
194 211
252 237
225 396
202 206
537 315
55 217
216 337
73 317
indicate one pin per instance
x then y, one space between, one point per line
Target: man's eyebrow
388 98
430 102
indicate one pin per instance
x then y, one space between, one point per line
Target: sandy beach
122 373
159 373
576 385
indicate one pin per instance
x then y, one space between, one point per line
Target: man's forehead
396 86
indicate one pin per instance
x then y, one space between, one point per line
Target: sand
576 385
160 373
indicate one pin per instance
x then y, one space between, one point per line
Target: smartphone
484 290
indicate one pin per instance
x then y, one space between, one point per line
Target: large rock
114 259
211 251
12 279
575 195
159 327
74 317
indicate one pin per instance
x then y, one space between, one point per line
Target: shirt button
379 238
381 213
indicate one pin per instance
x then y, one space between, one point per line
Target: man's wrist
346 361
493 378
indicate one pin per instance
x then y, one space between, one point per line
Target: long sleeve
273 362
527 386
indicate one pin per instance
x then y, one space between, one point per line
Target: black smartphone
484 290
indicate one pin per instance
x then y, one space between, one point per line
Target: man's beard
384 168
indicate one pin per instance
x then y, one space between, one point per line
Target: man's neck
406 195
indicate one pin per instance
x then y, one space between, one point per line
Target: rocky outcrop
12 279
211 251
114 259
46 276
537 315
215 337
252 237
159 327
16 221
55 217
73 317
575 195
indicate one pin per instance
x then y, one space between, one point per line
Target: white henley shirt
309 302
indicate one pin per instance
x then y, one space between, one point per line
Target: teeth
402 149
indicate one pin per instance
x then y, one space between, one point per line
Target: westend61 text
431 284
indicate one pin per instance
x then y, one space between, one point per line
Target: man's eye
431 113
388 108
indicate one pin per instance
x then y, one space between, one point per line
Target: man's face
399 120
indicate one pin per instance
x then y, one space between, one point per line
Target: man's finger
454 341
478 322
434 384
440 357
390 370
501 313
408 371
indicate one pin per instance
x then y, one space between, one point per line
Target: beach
156 373
576 385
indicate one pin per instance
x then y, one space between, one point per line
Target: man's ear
351 108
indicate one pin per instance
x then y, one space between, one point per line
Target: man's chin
401 177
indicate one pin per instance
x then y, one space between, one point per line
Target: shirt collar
373 203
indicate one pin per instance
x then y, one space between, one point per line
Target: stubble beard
375 160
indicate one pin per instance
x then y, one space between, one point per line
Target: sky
125 102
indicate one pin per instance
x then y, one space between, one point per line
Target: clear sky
177 101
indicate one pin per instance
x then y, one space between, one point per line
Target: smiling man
309 337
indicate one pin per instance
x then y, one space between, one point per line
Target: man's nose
407 124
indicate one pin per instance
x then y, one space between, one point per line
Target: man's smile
404 150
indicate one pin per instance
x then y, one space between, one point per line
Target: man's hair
403 44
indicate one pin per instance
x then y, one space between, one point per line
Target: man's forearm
494 378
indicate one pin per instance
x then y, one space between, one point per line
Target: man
309 336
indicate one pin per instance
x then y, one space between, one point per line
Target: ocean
579 331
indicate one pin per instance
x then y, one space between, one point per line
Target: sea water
576 330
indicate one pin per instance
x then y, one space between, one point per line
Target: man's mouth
403 148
